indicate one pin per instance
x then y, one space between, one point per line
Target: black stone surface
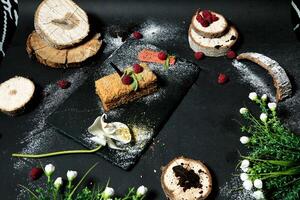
200 128
73 117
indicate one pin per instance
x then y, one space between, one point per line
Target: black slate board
146 115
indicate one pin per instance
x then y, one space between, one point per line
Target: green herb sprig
272 165
54 189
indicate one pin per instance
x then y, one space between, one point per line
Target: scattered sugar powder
232 190
42 136
256 82
153 31
112 43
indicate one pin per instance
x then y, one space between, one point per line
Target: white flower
272 106
245 163
58 182
263 117
245 169
243 111
142 190
258 194
49 169
71 175
108 192
244 139
247 185
107 133
253 96
244 176
258 183
264 97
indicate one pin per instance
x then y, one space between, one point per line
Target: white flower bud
49 169
58 182
108 192
244 176
142 190
253 96
71 175
244 139
258 195
272 106
245 169
263 117
247 185
258 183
264 97
245 163
243 111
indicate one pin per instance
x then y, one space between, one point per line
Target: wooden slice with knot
15 94
61 23
61 58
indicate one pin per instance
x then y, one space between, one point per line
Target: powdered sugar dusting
248 76
41 136
153 31
112 43
233 190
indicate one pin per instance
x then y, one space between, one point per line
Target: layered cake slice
209 24
213 47
136 82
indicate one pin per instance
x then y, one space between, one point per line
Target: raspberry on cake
114 91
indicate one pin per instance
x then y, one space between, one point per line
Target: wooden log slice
61 23
61 58
281 80
15 94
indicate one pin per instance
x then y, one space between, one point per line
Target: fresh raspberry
127 80
199 55
207 16
202 21
231 54
162 55
223 78
137 68
214 18
35 173
63 84
137 35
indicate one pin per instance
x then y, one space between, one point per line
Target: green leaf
135 83
167 63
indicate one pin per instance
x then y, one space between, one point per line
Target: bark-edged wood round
15 94
61 23
281 80
57 58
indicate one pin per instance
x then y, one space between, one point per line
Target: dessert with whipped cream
117 89
210 33
186 179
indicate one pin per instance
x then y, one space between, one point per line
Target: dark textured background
201 127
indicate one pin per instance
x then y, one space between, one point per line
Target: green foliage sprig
55 189
272 165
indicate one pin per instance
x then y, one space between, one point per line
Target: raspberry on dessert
214 18
199 55
137 68
162 55
223 78
63 84
202 21
127 80
137 35
207 16
35 173
231 54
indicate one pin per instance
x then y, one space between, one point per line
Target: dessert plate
145 117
